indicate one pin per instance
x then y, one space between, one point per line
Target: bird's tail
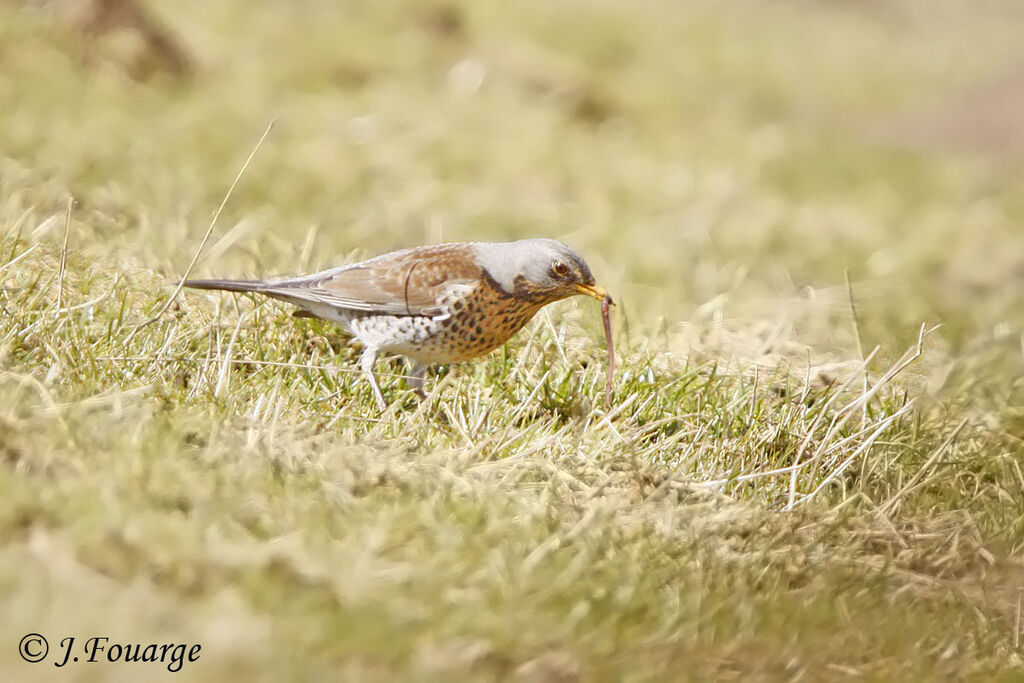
228 285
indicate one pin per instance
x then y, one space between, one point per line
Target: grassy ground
782 490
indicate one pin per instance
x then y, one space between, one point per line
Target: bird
439 303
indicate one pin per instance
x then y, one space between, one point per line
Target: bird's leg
366 362
415 378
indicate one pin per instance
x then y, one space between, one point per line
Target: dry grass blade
857 336
206 237
15 259
858 452
64 255
887 507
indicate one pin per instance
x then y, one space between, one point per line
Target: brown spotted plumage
442 303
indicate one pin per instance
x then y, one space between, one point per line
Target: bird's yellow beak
596 291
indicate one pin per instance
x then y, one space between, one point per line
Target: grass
781 490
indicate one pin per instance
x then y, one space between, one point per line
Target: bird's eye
559 269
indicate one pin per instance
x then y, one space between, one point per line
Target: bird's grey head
537 268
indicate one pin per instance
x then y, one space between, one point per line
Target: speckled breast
475 325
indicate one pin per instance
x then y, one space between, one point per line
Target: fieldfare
440 303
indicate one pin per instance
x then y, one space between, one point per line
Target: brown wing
411 282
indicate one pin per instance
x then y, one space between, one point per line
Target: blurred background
731 169
719 161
